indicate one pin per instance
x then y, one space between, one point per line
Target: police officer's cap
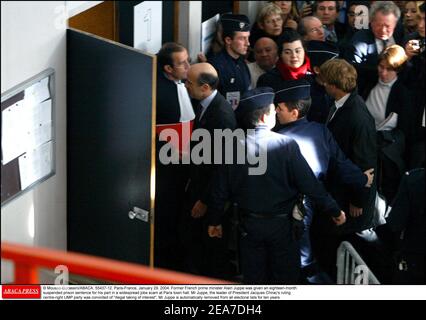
235 22
321 51
293 90
255 99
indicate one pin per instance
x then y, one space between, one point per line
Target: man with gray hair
367 44
310 28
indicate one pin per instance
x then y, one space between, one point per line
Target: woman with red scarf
293 64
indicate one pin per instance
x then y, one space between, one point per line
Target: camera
422 45
418 45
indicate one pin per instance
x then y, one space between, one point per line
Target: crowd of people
333 91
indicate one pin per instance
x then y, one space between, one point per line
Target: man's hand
340 219
215 231
198 210
201 57
354 212
370 177
306 10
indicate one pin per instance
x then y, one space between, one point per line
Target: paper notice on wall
13 137
148 18
38 119
37 93
208 31
25 126
35 164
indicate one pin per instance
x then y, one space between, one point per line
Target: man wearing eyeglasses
327 12
310 28
367 44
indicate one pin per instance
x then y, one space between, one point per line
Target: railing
351 269
28 260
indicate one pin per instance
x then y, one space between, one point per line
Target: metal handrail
28 260
351 269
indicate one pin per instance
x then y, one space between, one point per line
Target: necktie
331 113
198 114
384 44
332 37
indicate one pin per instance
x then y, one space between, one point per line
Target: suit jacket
400 102
362 53
218 115
340 29
354 129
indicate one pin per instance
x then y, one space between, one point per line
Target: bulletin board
27 135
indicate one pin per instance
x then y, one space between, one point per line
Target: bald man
266 56
205 256
311 28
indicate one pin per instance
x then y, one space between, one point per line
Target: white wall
251 8
32 40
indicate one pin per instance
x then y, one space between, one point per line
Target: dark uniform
319 52
269 253
322 153
407 220
234 75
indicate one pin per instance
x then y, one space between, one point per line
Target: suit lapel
347 105
208 114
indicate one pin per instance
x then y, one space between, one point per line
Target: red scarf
290 73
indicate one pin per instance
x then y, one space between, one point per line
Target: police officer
321 152
234 75
319 52
269 253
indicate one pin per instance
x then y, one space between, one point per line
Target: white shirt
380 46
339 103
255 73
206 102
378 99
186 109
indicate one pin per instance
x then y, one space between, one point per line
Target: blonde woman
390 104
290 13
410 13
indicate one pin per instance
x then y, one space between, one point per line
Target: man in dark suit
207 255
354 130
173 106
367 44
173 102
327 12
